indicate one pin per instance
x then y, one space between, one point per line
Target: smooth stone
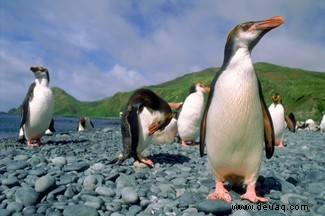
68 178
15 206
105 191
10 181
5 212
129 195
90 180
125 181
80 210
214 207
58 160
76 166
27 196
44 183
98 166
17 165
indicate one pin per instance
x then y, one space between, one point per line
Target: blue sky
94 49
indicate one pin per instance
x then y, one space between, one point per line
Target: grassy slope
302 92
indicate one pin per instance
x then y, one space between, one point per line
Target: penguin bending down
280 121
236 122
190 116
84 123
145 113
37 108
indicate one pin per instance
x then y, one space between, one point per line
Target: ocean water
9 124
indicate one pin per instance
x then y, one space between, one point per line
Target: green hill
302 92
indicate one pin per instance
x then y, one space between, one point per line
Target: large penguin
190 116
37 108
145 113
280 121
236 122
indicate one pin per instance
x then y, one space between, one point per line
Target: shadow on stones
166 158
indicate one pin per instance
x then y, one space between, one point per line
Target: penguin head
247 34
276 97
199 87
40 73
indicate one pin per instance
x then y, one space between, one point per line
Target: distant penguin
190 116
322 124
144 114
84 123
280 121
37 108
236 122
310 125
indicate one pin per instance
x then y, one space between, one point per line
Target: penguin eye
245 26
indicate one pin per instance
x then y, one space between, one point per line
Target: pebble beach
70 174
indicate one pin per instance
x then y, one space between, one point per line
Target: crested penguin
280 121
190 116
144 114
84 123
236 122
37 108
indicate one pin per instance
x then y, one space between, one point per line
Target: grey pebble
27 196
214 207
15 207
129 195
80 210
44 183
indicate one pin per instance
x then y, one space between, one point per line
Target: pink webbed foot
145 160
29 143
184 143
220 193
279 144
250 195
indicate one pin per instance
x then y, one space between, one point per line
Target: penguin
144 114
322 124
310 125
37 108
236 122
190 116
280 121
84 123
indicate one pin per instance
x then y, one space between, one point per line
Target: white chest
40 112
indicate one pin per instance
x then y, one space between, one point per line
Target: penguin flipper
291 122
202 131
92 124
25 105
269 139
51 127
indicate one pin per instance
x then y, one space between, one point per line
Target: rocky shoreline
70 175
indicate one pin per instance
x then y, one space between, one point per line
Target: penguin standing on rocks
190 116
280 121
236 123
84 123
322 124
145 113
37 108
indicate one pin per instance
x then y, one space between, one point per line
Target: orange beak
269 23
207 89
